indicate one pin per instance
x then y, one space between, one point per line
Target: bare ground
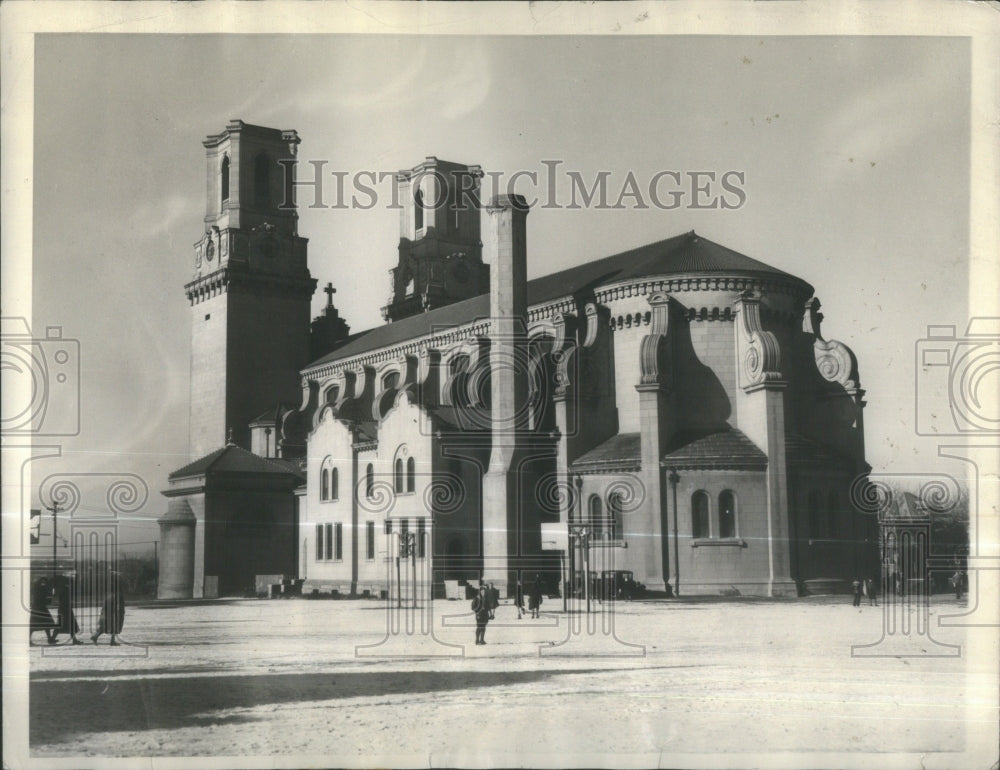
738 683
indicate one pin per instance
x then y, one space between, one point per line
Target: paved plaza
734 680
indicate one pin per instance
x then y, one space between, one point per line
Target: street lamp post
578 485
407 550
55 511
674 478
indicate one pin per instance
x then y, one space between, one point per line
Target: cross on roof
329 291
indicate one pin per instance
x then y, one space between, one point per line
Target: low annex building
674 409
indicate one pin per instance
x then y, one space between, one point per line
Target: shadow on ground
62 710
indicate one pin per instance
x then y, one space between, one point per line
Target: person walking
535 598
481 609
494 597
41 618
112 614
872 591
856 585
957 583
519 599
66 620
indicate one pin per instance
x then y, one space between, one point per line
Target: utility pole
55 512
674 478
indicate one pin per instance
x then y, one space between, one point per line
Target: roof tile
687 253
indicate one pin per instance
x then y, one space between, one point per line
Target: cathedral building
672 410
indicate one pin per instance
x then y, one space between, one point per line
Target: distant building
675 405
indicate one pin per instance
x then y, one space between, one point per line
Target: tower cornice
226 279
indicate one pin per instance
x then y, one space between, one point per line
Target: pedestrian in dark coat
519 599
41 618
494 596
481 609
872 591
112 614
535 598
66 620
857 591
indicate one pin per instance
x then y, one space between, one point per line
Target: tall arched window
334 484
225 178
411 475
699 514
262 180
324 484
418 209
459 368
397 475
815 515
595 514
727 514
370 480
615 516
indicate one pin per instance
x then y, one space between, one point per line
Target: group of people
112 612
866 587
487 599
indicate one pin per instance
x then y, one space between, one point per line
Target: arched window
727 514
397 475
370 480
815 520
334 484
262 180
324 484
459 372
418 209
699 514
411 475
225 178
615 516
390 380
595 514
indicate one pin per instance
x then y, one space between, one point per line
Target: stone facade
674 406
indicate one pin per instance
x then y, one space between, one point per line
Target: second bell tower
251 289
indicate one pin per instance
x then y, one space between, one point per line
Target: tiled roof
726 448
271 415
463 418
620 451
682 254
367 430
178 509
906 508
234 459
801 450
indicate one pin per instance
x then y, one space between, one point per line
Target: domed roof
687 254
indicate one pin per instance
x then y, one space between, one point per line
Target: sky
854 150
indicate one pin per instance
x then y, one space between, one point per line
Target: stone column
644 529
761 415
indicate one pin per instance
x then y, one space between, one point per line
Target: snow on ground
256 678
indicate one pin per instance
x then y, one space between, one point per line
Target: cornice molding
225 278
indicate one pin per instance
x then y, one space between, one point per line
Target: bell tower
440 251
251 289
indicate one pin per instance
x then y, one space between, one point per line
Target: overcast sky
855 153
